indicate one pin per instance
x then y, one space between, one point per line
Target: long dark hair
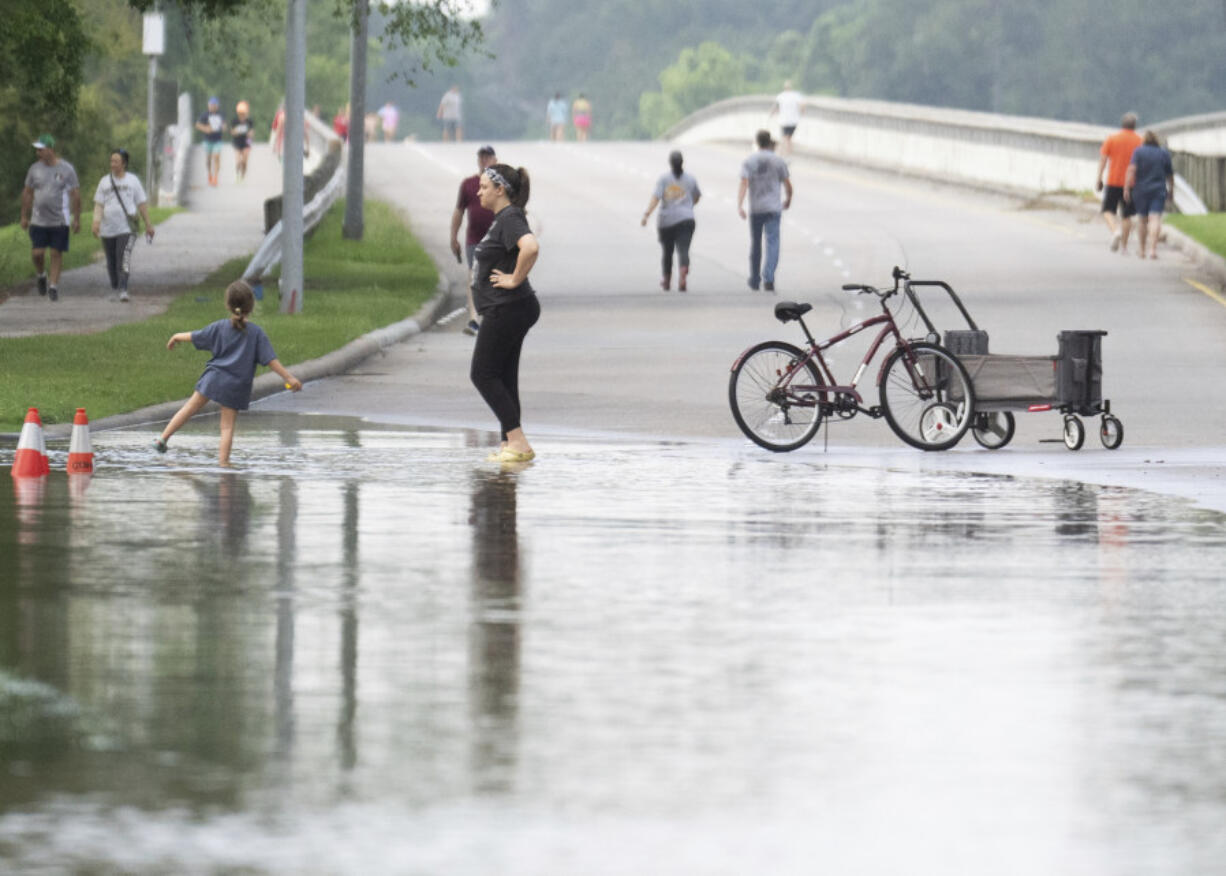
518 185
240 301
675 161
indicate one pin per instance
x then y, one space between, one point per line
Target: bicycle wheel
775 413
927 396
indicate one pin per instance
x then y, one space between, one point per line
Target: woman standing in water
678 192
506 302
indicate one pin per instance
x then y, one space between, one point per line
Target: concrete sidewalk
221 223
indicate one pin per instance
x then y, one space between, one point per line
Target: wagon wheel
993 429
1111 432
1074 433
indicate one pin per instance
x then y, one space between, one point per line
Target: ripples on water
369 651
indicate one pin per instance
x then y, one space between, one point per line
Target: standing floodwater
369 652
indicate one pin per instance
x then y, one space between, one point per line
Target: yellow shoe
495 456
509 455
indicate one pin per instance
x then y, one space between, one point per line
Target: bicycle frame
889 328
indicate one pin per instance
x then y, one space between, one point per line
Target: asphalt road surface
613 354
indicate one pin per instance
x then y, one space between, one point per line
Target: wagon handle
952 294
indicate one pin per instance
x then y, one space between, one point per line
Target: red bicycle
780 394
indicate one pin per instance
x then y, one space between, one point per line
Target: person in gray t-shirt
762 175
676 192
51 192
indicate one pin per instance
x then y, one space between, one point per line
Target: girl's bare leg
228 416
190 408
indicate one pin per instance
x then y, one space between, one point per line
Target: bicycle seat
786 311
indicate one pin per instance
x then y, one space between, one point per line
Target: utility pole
292 185
356 173
154 44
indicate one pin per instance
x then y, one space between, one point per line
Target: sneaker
753 285
769 287
472 327
53 293
42 284
159 445
1115 241
123 295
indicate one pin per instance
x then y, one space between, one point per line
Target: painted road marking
1215 295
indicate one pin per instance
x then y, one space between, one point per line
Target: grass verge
351 288
1209 229
83 248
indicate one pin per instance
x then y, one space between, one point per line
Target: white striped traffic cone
80 453
31 458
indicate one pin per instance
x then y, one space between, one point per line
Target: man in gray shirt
762 174
51 191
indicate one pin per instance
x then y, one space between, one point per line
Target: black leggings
495 365
678 235
119 258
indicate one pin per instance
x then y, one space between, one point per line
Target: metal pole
354 223
151 182
291 188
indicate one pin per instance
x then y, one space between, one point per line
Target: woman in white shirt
118 202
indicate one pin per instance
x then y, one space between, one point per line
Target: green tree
699 77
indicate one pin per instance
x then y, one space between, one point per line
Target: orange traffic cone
80 454
31 458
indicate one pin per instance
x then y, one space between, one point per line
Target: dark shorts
1113 199
1149 203
789 130
49 237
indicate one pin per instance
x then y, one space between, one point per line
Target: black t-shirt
240 132
499 250
215 122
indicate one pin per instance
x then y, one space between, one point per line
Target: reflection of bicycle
779 393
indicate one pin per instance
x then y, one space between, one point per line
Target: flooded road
369 651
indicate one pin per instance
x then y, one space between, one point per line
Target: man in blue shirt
762 175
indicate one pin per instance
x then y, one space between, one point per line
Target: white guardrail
321 140
959 146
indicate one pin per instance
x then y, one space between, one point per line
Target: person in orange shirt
1115 157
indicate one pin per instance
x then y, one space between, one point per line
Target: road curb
1205 259
328 365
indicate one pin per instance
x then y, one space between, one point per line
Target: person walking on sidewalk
212 123
677 192
118 200
51 192
507 303
555 117
1150 183
240 138
237 347
1114 157
762 175
789 104
479 220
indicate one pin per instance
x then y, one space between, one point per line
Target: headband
499 180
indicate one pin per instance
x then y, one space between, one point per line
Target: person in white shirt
788 104
118 201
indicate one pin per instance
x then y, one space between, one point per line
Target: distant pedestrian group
1139 181
578 112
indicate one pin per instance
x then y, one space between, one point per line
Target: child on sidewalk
237 346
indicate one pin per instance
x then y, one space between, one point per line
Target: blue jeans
759 222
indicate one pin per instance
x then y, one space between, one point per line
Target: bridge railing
1014 153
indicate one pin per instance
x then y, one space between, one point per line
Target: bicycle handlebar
859 288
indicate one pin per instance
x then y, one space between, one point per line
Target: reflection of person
451 114
51 192
1115 155
117 201
506 302
240 138
789 107
212 123
237 346
1149 184
479 219
762 174
389 116
677 192
555 114
581 114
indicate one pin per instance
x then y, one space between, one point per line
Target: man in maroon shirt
479 220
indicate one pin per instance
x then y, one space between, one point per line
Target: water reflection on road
368 651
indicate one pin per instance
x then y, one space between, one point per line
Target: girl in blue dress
237 347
